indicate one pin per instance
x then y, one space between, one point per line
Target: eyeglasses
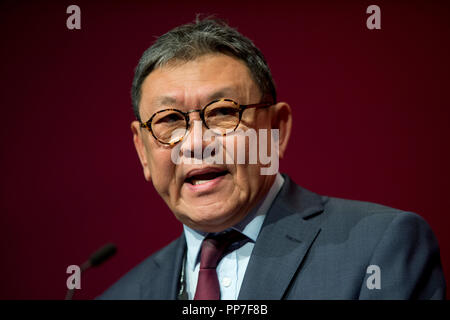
170 126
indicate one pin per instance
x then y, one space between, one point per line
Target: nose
193 144
194 114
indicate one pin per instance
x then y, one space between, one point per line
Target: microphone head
102 254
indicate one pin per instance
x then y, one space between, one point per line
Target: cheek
247 179
162 170
248 176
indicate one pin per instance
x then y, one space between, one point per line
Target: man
250 235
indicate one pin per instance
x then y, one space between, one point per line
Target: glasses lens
222 116
169 126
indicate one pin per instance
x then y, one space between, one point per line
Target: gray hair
190 41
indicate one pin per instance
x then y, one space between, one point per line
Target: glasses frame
242 108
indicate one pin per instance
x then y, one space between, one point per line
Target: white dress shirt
231 268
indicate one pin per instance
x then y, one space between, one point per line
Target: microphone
96 259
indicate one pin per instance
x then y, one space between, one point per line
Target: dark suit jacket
315 247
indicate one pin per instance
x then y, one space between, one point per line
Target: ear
282 120
141 149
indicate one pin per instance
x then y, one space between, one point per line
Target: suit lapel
282 244
163 283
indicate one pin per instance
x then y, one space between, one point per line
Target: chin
211 219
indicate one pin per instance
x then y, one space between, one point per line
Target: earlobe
282 120
140 148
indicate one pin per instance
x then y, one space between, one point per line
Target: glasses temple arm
256 105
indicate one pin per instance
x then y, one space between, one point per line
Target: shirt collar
249 226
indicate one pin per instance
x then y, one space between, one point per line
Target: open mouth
205 177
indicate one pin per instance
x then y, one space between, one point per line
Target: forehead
198 81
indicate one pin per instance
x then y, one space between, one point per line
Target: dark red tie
213 249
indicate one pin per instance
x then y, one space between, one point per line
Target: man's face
206 197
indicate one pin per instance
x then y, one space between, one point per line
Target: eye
169 118
222 111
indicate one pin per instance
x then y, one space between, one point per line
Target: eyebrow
221 93
165 100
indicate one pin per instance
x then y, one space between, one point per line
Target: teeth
196 182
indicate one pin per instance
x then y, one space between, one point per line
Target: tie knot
215 246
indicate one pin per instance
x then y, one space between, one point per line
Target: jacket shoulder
128 287
350 213
358 234
367 222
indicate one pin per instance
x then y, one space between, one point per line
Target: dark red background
371 122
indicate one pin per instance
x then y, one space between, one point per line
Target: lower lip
207 186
